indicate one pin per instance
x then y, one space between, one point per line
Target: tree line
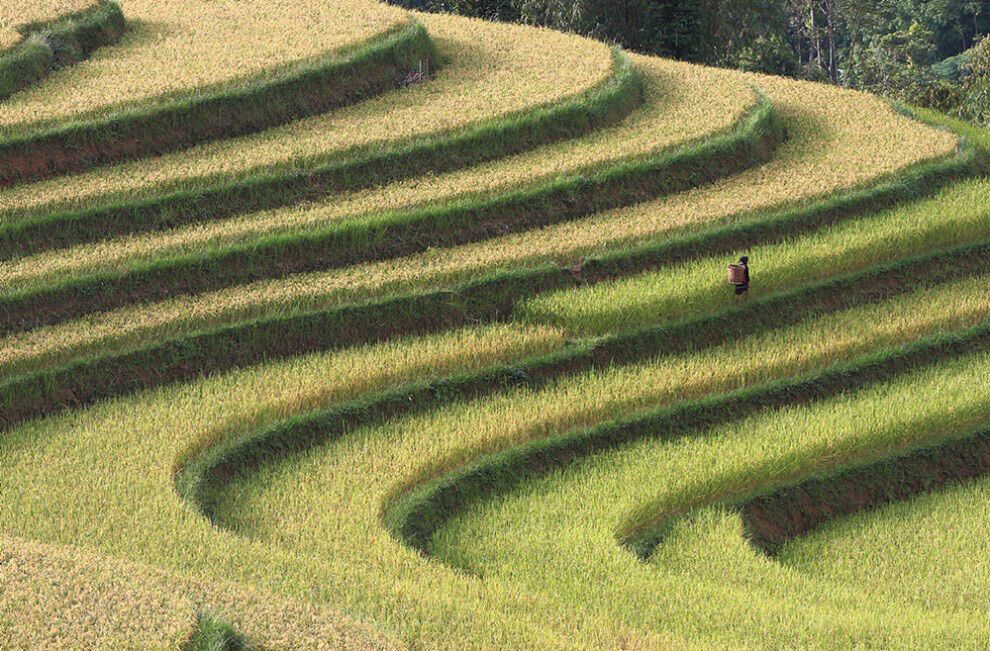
929 52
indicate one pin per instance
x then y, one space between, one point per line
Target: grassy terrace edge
774 514
773 518
608 102
50 45
417 515
295 91
375 237
488 299
413 515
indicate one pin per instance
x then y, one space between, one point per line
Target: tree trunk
816 39
833 71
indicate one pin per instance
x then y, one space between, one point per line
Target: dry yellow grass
137 442
839 139
175 46
683 103
23 12
322 539
492 70
62 597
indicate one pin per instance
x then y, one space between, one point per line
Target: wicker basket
737 274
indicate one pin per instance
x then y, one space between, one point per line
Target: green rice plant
393 235
954 216
142 439
110 372
888 552
704 582
439 369
765 187
778 517
316 291
437 616
214 634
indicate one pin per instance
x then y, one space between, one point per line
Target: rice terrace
338 324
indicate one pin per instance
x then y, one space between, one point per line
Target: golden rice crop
889 552
684 103
175 46
68 597
491 70
704 582
98 548
61 598
824 154
137 447
24 12
93 466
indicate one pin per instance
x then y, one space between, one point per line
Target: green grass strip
774 515
113 373
416 516
605 104
202 477
379 237
50 45
213 634
777 517
296 91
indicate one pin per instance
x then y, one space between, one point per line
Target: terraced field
342 326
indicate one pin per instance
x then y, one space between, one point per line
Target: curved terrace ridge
179 117
413 332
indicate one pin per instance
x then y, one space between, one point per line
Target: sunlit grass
127 451
490 70
931 550
99 548
314 523
180 45
811 164
955 216
703 582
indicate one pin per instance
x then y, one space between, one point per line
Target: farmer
742 288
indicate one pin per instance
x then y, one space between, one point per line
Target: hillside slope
448 359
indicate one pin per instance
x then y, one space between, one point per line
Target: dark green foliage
975 102
504 10
915 51
212 634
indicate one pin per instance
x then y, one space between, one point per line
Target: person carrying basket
739 277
